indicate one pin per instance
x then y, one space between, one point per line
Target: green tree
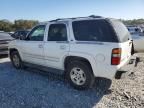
24 24
133 22
5 25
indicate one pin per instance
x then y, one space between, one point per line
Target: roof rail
55 20
94 16
65 18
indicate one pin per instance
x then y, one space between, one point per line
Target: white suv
80 48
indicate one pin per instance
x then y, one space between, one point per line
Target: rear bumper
109 71
134 60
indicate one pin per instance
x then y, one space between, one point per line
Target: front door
32 48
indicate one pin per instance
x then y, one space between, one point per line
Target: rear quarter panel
98 54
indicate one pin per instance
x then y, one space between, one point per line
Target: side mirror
14 36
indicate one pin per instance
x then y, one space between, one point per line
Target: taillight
116 56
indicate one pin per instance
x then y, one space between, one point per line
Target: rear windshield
94 30
121 30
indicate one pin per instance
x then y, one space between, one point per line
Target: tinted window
37 33
94 30
24 33
121 31
57 32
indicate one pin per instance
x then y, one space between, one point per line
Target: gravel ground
128 92
31 88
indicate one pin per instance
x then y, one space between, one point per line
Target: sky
44 10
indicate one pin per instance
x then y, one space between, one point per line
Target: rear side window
121 30
94 30
57 32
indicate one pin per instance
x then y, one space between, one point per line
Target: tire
80 75
16 60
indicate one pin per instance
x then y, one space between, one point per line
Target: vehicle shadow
36 88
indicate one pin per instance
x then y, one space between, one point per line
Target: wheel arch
12 50
79 58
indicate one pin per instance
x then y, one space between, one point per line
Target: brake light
116 56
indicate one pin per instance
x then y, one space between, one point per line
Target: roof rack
91 16
65 18
94 16
55 20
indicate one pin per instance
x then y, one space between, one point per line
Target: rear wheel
79 75
16 60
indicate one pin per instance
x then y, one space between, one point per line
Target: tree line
133 22
8 26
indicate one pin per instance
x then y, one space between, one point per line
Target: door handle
62 47
40 46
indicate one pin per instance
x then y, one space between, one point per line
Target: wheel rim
78 76
16 60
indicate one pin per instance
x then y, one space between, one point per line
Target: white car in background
134 29
138 41
138 38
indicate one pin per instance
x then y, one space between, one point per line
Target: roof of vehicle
92 17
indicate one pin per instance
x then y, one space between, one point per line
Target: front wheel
16 60
80 75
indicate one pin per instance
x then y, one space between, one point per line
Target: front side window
94 30
37 33
57 32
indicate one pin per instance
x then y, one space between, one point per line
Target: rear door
56 46
124 38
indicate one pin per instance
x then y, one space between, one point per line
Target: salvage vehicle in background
138 38
134 30
80 48
5 38
20 33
